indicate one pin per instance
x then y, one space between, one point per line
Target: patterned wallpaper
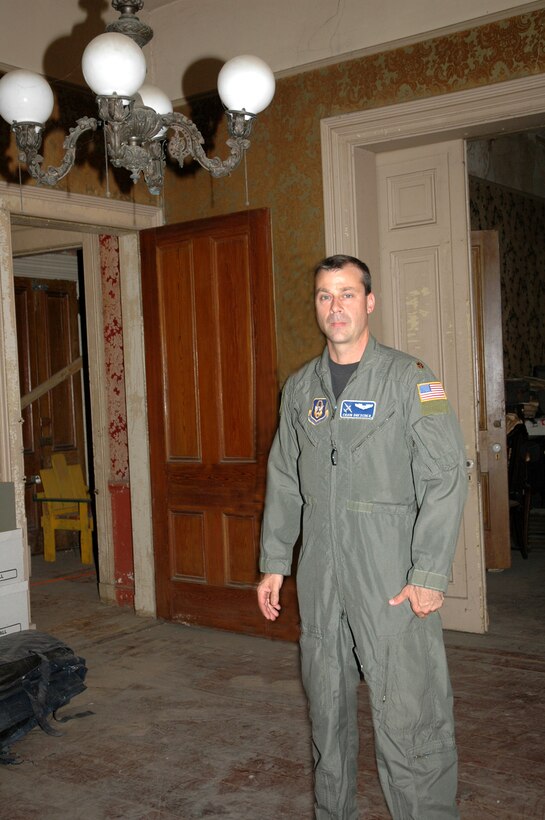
284 161
113 347
520 221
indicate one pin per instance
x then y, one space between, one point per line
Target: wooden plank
52 382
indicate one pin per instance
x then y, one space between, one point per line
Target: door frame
87 217
350 212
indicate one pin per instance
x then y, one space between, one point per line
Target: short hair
340 261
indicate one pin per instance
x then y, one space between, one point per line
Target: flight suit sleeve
440 480
283 501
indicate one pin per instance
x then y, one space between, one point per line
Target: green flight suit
378 480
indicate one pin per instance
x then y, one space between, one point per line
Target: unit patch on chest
319 411
353 409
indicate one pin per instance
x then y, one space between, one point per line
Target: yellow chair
66 506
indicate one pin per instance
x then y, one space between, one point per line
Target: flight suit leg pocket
315 672
406 698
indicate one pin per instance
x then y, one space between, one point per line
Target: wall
284 161
520 222
514 160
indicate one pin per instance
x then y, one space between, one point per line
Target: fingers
402 596
423 601
268 596
269 609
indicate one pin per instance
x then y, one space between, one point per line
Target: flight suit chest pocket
373 432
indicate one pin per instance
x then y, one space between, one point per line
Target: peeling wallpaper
113 356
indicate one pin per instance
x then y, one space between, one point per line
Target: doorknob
496 449
32 479
470 464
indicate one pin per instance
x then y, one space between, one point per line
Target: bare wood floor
195 723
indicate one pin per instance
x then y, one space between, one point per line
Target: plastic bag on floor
38 675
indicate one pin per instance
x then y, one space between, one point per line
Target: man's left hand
423 601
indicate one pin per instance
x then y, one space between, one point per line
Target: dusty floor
195 723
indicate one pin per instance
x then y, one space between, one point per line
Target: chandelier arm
187 141
28 137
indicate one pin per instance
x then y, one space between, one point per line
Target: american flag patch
430 391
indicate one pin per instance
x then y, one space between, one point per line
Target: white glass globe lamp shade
246 83
25 97
112 63
153 97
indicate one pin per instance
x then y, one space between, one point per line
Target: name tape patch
352 409
431 391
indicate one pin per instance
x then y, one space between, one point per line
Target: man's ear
370 303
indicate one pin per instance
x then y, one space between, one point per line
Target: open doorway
507 196
86 220
54 378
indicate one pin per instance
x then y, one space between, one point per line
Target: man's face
342 310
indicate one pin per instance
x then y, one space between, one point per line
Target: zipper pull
334 456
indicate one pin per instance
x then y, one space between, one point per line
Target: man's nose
335 305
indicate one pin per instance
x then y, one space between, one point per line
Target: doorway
350 146
51 342
79 221
507 197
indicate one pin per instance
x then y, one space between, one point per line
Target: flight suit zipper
337 562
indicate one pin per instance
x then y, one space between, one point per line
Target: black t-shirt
340 373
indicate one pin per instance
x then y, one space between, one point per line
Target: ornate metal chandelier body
136 117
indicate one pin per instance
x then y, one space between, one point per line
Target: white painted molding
99 415
504 107
77 210
137 424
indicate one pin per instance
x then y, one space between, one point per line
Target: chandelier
139 123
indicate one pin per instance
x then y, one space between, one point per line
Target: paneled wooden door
48 341
212 401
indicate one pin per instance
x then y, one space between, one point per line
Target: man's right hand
268 595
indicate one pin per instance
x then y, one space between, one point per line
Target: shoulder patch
431 391
433 398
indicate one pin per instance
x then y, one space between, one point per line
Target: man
368 456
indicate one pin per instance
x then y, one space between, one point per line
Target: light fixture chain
106 166
247 203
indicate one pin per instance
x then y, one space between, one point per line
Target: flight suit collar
369 354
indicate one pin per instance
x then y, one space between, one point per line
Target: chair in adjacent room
66 505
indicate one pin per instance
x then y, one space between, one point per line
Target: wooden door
48 341
212 403
485 263
425 296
